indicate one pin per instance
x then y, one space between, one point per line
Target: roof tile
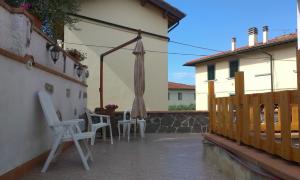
174 86
276 41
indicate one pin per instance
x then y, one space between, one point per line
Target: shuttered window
211 72
233 68
179 96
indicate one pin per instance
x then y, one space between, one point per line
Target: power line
130 49
199 47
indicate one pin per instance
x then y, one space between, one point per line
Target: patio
158 156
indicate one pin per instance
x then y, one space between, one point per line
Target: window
233 68
211 72
194 96
179 96
168 96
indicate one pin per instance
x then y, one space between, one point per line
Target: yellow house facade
269 65
105 24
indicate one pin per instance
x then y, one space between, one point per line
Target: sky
212 24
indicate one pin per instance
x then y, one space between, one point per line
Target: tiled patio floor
158 157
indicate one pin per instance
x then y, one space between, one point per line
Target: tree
53 14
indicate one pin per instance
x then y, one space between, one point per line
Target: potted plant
107 110
80 56
52 15
36 20
111 107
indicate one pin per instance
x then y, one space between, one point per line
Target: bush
182 107
53 14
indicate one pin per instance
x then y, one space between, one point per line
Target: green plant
54 14
80 56
182 107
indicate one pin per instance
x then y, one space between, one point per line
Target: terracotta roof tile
272 42
172 85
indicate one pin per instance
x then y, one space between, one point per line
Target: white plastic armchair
64 131
93 127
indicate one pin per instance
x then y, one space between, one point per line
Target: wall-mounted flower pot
37 22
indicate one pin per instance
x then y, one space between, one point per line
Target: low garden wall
169 121
26 67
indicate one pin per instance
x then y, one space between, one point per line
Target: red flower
26 6
111 106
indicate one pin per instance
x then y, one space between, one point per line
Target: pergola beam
102 59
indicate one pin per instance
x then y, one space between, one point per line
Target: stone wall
176 122
169 121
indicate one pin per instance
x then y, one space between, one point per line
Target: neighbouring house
269 65
181 94
104 24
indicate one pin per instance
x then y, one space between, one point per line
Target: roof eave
174 15
262 46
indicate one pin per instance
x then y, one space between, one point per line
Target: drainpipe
271 67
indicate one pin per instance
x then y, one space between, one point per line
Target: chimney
265 34
233 44
252 32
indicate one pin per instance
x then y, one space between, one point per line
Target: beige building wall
256 68
188 97
119 66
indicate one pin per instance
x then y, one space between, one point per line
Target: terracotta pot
37 22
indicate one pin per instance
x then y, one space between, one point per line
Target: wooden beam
102 59
239 94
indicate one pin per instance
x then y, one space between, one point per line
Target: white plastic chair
101 124
142 125
127 122
64 131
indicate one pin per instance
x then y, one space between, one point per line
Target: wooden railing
265 121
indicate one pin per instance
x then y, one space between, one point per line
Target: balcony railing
265 121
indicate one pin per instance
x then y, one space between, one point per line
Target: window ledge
230 78
211 80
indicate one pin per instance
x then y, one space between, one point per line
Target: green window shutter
211 72
179 96
233 68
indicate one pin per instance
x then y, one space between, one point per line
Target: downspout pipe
271 67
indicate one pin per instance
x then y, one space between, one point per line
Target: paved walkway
158 157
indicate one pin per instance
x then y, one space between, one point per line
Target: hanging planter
78 55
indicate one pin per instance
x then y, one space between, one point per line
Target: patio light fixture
54 51
79 69
87 73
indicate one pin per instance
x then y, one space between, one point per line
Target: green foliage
182 107
54 14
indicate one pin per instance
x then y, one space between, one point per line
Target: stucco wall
256 67
24 133
188 97
118 67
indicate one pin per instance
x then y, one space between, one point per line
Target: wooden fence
265 121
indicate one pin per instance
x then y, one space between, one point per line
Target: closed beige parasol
138 106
